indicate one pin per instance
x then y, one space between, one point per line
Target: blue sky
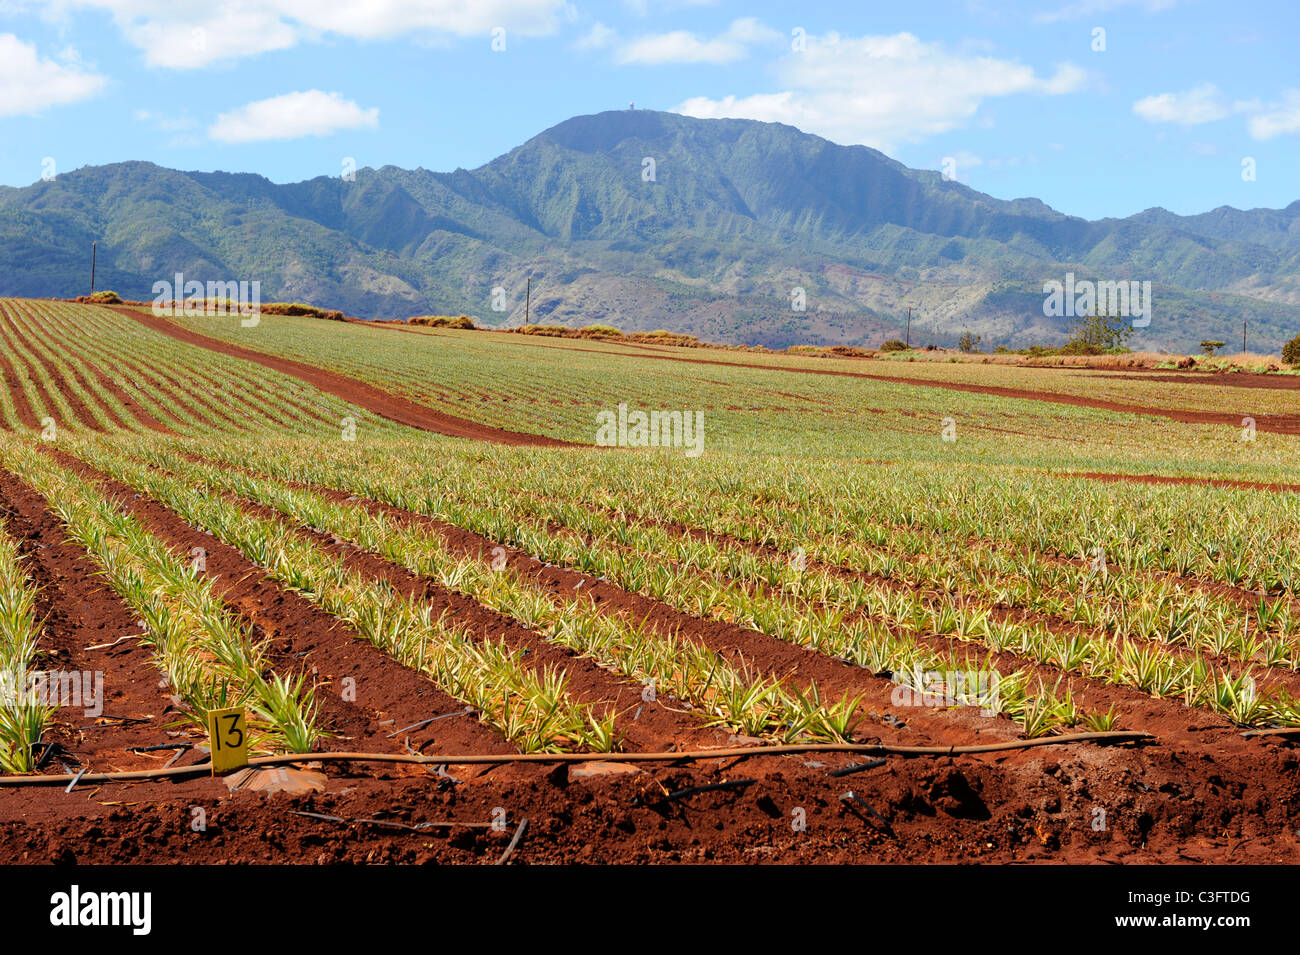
1018 99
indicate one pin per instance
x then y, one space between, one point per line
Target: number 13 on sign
228 734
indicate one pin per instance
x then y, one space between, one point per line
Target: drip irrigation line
1272 731
415 726
468 759
710 787
510 849
858 767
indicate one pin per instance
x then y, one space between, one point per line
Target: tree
1291 351
969 343
1209 345
1097 333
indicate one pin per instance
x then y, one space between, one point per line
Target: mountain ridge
654 220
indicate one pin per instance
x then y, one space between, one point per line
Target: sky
1097 107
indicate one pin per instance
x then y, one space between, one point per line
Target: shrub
1097 334
298 308
893 344
1291 351
664 337
442 321
106 297
608 330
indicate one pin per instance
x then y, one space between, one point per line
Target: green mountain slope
653 220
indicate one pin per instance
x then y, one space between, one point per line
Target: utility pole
1243 336
528 299
909 326
94 248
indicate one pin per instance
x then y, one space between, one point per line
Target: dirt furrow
761 652
1273 423
81 612
364 395
22 407
364 694
646 725
52 410
62 378
1163 479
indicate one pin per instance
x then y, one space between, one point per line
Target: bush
106 297
442 321
1097 334
893 344
1291 351
298 308
664 337
608 330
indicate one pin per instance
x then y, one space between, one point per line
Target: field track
1272 423
1189 481
390 406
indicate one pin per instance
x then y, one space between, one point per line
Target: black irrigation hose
438 759
709 787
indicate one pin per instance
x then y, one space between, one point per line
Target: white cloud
681 46
291 116
29 84
1277 119
188 34
1087 8
883 90
642 8
597 38
1201 104
164 122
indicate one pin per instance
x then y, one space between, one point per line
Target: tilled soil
363 395
1198 792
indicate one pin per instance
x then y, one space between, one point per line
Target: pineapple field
891 612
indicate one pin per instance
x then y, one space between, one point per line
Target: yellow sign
228 734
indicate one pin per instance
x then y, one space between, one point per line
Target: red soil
1273 423
22 406
305 639
355 392
1193 796
1198 793
1162 479
1221 379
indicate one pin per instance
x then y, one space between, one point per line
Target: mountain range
649 220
